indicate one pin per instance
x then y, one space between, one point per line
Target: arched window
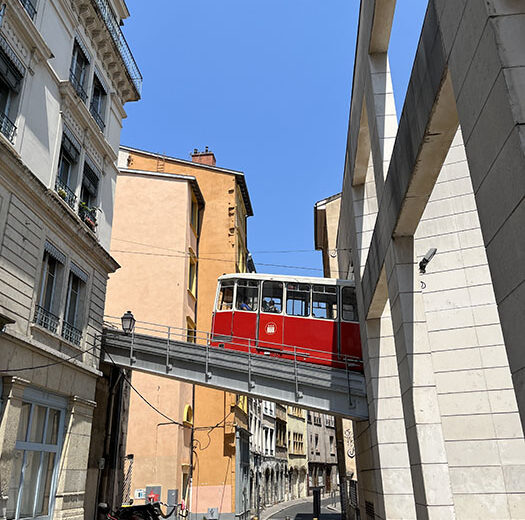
188 416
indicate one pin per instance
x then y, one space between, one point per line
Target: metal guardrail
290 378
46 319
113 26
66 193
77 85
29 7
7 127
96 116
71 334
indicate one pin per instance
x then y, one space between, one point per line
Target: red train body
311 319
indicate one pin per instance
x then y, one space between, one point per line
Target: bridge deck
330 390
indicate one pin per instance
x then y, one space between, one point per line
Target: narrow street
330 510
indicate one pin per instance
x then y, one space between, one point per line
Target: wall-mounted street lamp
128 322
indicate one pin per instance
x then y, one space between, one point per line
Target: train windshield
247 295
272 297
349 304
297 299
226 296
324 302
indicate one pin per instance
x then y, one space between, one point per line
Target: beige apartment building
65 75
156 242
220 477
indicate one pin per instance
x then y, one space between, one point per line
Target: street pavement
302 510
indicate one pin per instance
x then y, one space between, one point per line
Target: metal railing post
132 358
207 373
169 366
350 402
251 384
298 394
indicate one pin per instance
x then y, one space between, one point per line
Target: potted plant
88 215
62 193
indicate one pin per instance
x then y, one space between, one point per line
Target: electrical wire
267 251
153 407
54 363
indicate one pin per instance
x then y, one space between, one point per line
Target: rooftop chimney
206 157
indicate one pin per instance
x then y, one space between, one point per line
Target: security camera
426 259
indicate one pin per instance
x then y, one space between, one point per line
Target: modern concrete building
65 75
297 456
442 339
322 452
156 241
220 478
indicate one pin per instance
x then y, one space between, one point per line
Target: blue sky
266 85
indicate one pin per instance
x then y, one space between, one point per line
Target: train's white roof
286 278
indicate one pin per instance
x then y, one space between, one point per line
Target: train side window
324 302
226 296
349 304
272 297
247 295
297 299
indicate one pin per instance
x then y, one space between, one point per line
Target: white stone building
65 74
442 340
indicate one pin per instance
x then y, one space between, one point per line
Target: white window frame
34 398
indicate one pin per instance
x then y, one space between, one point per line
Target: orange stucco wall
219 240
151 229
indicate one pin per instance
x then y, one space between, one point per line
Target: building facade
296 439
268 461
322 452
430 214
65 75
158 288
219 480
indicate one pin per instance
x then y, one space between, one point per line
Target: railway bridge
254 371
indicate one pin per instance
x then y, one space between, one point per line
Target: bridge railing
250 346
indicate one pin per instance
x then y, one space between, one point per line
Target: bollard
317 502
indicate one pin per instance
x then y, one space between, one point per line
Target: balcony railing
88 216
7 127
46 319
77 85
113 26
65 192
71 333
96 116
29 7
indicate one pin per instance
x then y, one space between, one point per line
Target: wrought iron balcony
113 26
29 7
88 216
71 334
7 127
46 319
96 116
77 85
66 193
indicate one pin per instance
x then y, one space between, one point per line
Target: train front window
226 296
297 299
349 304
324 302
247 295
272 297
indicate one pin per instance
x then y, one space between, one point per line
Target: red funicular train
313 319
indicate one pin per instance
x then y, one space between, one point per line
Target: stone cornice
81 113
59 215
107 52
